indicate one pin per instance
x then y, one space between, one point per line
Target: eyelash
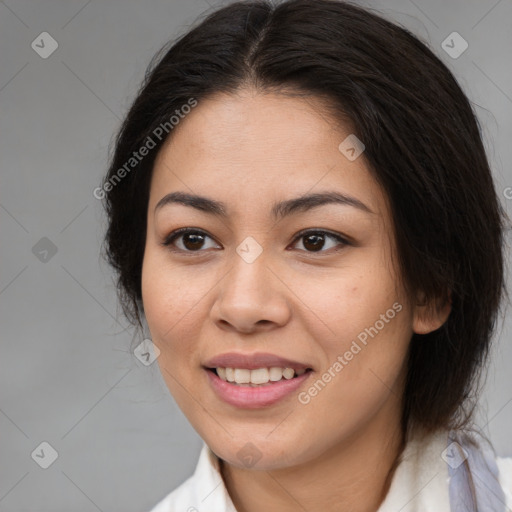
168 242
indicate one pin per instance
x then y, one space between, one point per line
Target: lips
253 361
258 397
254 395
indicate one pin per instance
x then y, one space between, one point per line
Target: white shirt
420 483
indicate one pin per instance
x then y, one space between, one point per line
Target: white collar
421 480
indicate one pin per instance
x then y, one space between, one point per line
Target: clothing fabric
445 472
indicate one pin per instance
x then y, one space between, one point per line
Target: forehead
248 147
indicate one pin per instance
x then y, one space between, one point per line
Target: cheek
363 370
175 299
157 297
356 300
168 293
171 307
362 319
166 300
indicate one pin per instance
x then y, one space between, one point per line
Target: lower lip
249 397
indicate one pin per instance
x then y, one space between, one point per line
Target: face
307 285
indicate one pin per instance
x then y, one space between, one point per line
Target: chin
260 453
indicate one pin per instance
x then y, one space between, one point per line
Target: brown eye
315 241
193 241
188 240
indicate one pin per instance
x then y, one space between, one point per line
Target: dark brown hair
423 146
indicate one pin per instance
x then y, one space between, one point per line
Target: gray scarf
474 484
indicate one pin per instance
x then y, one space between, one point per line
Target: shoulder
505 477
182 498
205 488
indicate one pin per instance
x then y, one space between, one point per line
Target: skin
250 150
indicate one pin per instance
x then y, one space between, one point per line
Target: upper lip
253 361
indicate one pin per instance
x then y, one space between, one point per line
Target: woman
301 209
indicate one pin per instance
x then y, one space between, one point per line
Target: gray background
67 374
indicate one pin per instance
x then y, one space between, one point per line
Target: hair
422 145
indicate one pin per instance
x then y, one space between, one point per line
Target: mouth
255 380
255 388
259 377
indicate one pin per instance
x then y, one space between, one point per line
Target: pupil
195 240
317 244
192 240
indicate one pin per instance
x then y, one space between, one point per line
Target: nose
251 298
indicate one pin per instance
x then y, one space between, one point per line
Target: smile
235 386
257 377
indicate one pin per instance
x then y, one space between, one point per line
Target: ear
429 316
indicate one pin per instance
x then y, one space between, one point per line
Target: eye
192 240
314 241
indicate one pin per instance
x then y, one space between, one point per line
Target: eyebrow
278 211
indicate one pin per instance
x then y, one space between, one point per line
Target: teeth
288 373
242 376
276 374
257 377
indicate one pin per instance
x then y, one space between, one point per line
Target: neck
356 473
